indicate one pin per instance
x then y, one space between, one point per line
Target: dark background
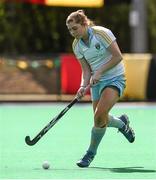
27 28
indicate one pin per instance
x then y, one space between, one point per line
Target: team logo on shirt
97 46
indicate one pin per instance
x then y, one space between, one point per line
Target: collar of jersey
90 33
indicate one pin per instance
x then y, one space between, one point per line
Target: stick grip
86 90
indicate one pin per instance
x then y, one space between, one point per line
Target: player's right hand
81 92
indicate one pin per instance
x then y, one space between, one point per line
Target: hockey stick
51 123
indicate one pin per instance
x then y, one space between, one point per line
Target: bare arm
85 77
86 72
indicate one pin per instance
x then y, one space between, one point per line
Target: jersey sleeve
107 37
77 50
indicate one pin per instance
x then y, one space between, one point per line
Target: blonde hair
80 18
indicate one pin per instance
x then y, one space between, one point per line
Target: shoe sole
80 165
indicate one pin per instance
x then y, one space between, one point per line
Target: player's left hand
95 78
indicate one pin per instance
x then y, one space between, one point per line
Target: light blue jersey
96 52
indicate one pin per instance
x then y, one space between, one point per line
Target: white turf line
63 104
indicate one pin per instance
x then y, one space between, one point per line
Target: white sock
115 122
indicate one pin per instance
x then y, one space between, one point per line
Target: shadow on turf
127 169
137 169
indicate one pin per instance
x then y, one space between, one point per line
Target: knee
100 118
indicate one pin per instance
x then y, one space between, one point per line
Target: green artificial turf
68 140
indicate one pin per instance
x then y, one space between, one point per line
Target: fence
57 77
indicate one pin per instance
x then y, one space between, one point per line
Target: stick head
28 141
33 141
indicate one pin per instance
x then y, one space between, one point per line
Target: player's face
76 30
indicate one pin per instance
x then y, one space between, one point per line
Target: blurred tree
152 25
112 2
30 29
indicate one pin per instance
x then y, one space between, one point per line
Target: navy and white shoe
86 160
126 130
